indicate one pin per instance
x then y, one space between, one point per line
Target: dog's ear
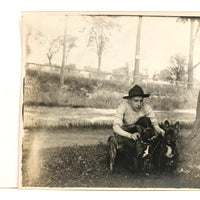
166 123
139 128
177 126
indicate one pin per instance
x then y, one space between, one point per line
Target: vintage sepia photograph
110 100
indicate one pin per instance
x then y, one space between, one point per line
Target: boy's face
136 103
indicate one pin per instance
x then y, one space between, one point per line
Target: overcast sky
161 38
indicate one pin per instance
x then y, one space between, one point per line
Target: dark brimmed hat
136 91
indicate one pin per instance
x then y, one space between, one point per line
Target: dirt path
45 123
51 138
39 116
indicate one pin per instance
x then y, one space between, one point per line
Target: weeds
43 89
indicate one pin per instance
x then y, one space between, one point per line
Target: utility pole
196 126
190 60
137 51
62 72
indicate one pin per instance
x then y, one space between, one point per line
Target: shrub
105 99
43 89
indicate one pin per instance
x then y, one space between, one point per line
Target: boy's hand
134 136
159 130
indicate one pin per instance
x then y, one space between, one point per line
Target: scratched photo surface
76 69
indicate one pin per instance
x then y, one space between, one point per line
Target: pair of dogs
151 152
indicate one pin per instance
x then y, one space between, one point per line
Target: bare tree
62 71
99 35
53 48
70 43
193 37
28 35
52 45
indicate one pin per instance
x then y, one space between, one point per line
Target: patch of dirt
52 138
48 117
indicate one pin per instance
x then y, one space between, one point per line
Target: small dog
165 156
148 135
134 149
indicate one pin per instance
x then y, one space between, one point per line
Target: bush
105 99
43 89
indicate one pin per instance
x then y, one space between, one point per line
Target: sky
161 38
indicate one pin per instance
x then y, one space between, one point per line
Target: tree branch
196 65
97 44
197 30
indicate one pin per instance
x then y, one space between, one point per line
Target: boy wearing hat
130 110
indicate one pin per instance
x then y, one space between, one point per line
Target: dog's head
171 132
146 134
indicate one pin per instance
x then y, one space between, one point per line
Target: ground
78 157
41 116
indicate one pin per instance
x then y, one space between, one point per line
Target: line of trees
175 72
99 36
193 37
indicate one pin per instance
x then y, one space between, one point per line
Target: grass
42 89
68 117
87 166
71 167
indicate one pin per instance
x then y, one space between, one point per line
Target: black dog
134 149
164 150
148 136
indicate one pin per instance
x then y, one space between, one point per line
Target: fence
71 70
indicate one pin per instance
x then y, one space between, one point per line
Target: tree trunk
197 120
50 63
28 48
62 72
190 61
137 53
99 62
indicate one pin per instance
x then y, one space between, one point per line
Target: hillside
42 89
